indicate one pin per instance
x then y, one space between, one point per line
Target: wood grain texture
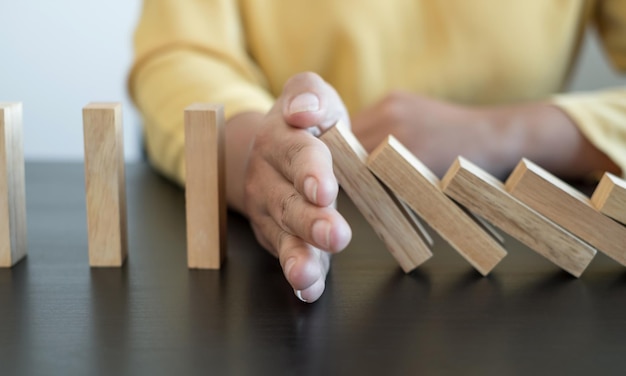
12 188
389 219
156 317
486 196
414 219
105 184
416 185
568 208
205 192
609 197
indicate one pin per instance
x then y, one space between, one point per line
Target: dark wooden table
156 317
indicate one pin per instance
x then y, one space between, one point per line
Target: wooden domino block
205 186
609 197
105 184
487 197
386 216
417 222
568 208
416 185
12 189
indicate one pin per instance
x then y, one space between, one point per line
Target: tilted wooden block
416 185
12 189
486 196
568 208
387 217
415 221
609 197
105 184
205 186
485 225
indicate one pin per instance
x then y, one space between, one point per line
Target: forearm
546 135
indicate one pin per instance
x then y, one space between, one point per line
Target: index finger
306 161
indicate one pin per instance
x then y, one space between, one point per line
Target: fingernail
304 102
299 295
310 189
289 265
321 233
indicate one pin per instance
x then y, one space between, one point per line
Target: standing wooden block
568 208
610 197
105 184
205 191
486 196
12 189
387 216
416 185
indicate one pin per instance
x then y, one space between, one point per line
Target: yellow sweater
240 53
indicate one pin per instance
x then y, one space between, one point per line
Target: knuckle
292 151
286 203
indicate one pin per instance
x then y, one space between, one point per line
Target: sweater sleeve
601 116
190 51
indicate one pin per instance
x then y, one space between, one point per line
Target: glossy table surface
156 317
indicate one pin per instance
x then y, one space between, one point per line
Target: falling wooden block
487 197
205 186
12 189
568 208
415 221
609 197
416 185
383 212
105 184
483 224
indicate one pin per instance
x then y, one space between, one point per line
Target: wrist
544 134
501 138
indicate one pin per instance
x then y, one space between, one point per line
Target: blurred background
57 56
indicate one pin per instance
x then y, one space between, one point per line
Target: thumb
309 102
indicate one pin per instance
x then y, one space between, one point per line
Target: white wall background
56 56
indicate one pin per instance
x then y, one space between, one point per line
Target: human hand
435 131
493 137
290 188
